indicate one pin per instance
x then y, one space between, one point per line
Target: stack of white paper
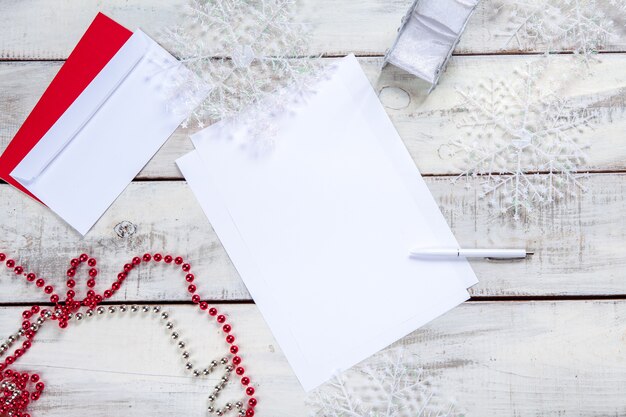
319 226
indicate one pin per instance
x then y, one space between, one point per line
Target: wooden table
541 337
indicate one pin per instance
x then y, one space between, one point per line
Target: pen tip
529 253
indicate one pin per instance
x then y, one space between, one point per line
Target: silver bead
206 371
40 320
185 355
224 361
169 325
211 398
242 413
228 406
47 314
213 364
21 332
196 373
100 310
219 412
123 309
57 313
145 309
229 368
133 309
70 316
181 344
156 309
165 316
112 309
189 365
224 379
210 409
34 327
89 313
239 404
79 316
11 339
217 389
174 335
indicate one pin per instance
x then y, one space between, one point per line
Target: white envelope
109 133
319 226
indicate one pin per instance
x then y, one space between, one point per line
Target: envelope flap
83 109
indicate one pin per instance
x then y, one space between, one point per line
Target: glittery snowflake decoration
582 26
391 384
522 143
246 52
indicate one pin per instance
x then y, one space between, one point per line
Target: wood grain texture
427 123
540 359
48 29
579 245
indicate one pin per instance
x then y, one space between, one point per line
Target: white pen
470 253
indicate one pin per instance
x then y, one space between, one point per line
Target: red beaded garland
62 311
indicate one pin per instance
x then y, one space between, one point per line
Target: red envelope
99 44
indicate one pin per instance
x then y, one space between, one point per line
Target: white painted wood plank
427 123
48 29
539 359
579 244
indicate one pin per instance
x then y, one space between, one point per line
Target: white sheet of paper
95 149
319 226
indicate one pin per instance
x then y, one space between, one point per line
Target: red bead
84 257
236 360
108 294
35 309
250 391
40 386
121 276
147 257
249 412
35 396
71 283
168 259
27 314
2 257
190 277
54 298
34 377
195 298
230 338
136 260
92 262
204 305
226 328
178 260
18 270
74 262
93 272
186 267
158 257
71 294
116 286
245 380
9 360
221 318
40 283
213 311
31 277
48 289
27 344
240 371
252 402
234 349
91 283
191 288
62 324
71 272
10 263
